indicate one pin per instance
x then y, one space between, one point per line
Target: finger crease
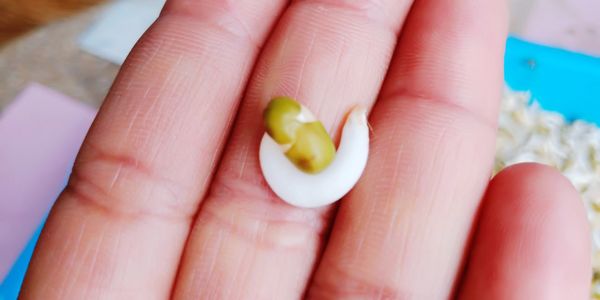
227 21
373 10
121 187
440 100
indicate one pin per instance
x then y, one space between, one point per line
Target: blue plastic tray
561 81
10 287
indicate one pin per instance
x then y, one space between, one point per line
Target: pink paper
40 135
572 24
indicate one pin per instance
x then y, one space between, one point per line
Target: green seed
311 149
280 119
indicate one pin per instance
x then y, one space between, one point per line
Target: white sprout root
315 190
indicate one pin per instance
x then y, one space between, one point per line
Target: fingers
401 233
119 228
532 241
330 55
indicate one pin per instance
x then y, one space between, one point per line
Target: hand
163 201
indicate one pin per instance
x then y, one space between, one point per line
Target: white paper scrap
122 24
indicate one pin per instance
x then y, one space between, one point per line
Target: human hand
143 217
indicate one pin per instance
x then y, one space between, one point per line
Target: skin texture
166 201
516 255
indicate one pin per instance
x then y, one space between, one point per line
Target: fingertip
533 239
549 192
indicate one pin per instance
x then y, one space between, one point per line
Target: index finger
119 228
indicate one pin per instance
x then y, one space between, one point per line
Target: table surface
60 65
20 16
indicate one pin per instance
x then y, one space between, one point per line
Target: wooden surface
50 55
20 16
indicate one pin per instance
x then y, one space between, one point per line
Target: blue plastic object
10 287
559 80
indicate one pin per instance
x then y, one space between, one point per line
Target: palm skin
167 199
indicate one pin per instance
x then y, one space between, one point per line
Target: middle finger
330 55
403 230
